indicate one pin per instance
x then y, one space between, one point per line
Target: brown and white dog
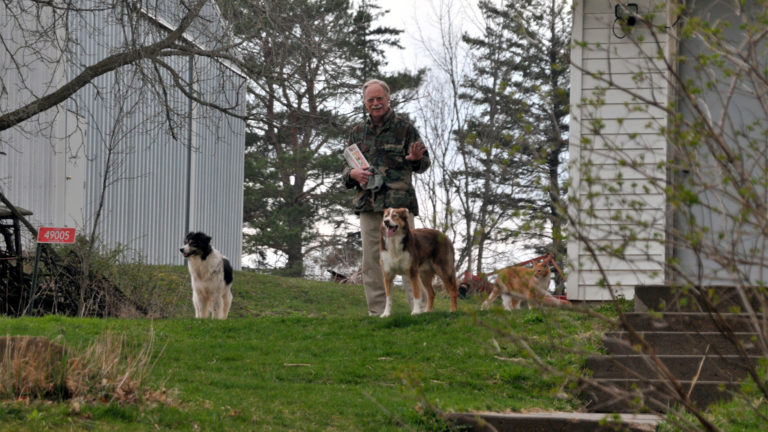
418 254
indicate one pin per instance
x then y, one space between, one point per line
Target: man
393 148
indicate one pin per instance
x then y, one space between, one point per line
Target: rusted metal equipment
11 260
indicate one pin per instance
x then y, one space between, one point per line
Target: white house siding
176 172
612 196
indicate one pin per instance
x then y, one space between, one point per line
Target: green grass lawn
304 356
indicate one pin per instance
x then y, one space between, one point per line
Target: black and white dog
211 276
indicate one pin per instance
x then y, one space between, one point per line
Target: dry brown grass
31 367
110 369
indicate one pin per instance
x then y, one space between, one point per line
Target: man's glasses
378 99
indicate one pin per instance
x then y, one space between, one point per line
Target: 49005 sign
55 235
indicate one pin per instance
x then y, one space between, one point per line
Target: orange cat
515 284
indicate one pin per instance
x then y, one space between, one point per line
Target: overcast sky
402 16
419 20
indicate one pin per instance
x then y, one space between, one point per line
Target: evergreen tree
306 65
486 138
517 141
540 40
369 42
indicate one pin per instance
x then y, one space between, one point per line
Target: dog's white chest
394 259
206 275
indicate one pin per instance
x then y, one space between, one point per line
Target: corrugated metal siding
218 162
145 207
28 169
626 135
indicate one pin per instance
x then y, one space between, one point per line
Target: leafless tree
497 129
441 112
122 70
445 190
39 34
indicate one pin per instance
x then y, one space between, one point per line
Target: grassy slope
303 355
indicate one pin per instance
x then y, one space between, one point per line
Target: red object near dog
556 300
472 284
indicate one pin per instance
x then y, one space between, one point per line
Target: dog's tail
228 274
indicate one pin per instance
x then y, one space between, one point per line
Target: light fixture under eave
627 13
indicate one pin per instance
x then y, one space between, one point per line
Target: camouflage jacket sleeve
348 181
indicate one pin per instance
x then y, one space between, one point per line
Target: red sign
56 235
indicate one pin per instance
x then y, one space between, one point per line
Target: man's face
376 101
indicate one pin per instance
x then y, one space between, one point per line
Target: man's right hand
361 175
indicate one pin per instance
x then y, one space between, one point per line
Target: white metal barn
624 100
144 160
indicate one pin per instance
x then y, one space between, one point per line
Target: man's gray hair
376 81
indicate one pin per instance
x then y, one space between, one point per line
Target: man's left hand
417 151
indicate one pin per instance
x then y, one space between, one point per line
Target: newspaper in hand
355 157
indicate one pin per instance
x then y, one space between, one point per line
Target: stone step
681 343
555 422
683 367
621 395
684 327
723 298
688 321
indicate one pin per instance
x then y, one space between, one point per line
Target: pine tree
517 140
306 66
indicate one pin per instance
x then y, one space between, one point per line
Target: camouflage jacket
385 149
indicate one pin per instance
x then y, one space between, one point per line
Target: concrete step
685 327
555 422
683 367
665 298
621 395
682 343
690 321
